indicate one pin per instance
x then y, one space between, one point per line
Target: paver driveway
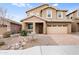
65 39
59 39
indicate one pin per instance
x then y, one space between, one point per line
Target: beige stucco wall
64 14
44 13
4 29
75 14
34 19
75 26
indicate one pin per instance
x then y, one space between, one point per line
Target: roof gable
71 12
47 6
33 19
37 7
8 20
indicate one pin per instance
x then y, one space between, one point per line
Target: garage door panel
56 29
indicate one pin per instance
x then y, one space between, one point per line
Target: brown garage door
57 29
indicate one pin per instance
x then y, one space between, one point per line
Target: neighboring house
7 25
45 19
74 15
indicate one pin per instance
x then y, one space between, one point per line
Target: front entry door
39 28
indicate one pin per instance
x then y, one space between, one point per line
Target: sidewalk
44 50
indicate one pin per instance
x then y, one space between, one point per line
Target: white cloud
19 4
29 5
22 5
55 4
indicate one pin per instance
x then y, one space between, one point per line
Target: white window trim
61 15
47 13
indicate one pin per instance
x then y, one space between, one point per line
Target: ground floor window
30 26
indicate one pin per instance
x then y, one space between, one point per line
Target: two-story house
46 19
74 15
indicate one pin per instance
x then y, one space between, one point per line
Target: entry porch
35 27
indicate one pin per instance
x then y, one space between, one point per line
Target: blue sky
16 11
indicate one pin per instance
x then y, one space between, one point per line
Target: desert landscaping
18 42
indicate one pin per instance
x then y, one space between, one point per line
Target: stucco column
44 28
23 26
69 28
76 27
34 27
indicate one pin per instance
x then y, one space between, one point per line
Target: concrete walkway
44 50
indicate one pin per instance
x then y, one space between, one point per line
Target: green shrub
2 43
6 34
23 33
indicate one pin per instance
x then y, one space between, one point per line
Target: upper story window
60 14
78 13
49 13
